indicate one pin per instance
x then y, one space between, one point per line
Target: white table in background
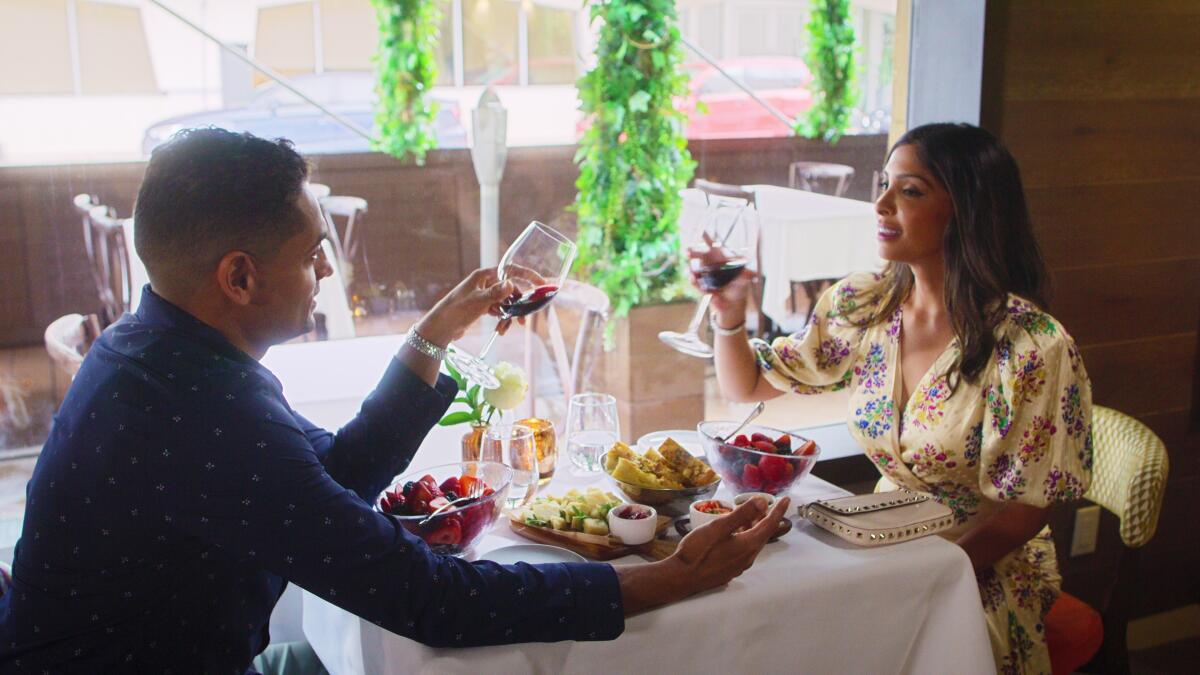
808 236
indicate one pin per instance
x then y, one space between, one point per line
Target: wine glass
592 429
514 446
725 225
537 264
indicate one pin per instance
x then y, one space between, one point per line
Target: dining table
806 236
810 603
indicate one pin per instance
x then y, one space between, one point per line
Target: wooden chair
68 339
725 190
108 256
583 310
1129 477
350 212
822 177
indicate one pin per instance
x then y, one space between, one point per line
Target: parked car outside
275 112
781 81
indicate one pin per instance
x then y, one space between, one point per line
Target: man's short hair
210 191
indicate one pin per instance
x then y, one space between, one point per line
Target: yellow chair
1129 477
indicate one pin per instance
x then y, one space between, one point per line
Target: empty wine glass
514 446
724 223
592 429
537 263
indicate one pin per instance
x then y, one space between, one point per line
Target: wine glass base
687 343
473 369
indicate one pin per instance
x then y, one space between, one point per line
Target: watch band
424 346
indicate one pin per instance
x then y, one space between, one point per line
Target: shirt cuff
599 611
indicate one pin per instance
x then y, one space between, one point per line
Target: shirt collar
154 311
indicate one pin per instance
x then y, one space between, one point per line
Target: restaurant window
490 42
551 42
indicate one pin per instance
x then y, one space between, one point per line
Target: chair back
108 255
1129 474
726 190
821 177
68 339
346 214
583 309
318 190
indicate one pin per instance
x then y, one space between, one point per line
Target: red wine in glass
716 277
520 304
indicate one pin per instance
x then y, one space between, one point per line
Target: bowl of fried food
668 477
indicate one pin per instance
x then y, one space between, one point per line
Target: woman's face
914 210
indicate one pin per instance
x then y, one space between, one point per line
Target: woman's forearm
738 373
1002 533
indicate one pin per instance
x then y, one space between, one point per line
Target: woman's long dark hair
989 248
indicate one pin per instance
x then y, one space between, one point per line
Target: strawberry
741 441
418 501
764 446
466 485
430 483
451 484
448 534
752 477
760 437
437 503
784 444
487 492
774 468
809 448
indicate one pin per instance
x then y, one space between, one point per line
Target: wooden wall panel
15 311
1146 221
1111 303
1086 49
1100 103
1063 143
1142 376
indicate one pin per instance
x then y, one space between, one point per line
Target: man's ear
238 277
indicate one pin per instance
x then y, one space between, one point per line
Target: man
178 492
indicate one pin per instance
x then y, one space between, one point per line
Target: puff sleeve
822 359
1037 425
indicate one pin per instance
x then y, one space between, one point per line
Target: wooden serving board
595 546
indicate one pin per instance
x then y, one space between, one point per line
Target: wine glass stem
701 308
488 346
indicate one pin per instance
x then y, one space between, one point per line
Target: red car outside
732 113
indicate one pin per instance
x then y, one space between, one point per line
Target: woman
961 385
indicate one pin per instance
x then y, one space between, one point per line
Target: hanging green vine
633 159
406 67
830 57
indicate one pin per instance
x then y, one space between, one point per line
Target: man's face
287 280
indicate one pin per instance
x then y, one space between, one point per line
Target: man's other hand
708 557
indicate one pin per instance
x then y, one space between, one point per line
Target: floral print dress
1021 432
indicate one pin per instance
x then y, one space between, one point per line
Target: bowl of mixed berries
450 507
758 458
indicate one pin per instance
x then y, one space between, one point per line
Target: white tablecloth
809 604
807 236
331 300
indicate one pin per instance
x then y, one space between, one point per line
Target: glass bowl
749 470
456 530
667 501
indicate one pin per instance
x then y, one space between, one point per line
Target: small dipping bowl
700 518
633 524
746 496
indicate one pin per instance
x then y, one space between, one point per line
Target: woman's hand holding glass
728 301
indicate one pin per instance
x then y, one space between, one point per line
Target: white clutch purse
880 518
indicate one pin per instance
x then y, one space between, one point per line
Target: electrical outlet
1087 527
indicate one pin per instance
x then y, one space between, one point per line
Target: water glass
513 444
592 429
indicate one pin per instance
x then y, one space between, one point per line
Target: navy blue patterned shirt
178 493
